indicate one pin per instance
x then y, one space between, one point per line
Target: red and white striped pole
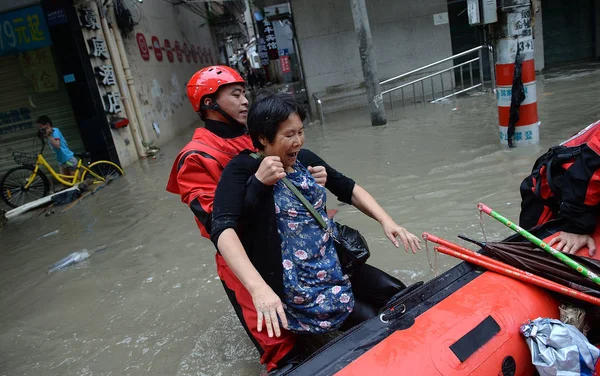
516 33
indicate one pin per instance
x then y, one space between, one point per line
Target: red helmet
208 80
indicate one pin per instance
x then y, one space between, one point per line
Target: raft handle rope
481 225
432 266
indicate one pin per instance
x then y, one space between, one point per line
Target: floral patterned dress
317 295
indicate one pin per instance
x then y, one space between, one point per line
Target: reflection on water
151 303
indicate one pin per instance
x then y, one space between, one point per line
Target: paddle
535 240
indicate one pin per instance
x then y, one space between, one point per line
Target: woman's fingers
405 242
410 241
415 244
275 323
259 323
268 324
282 317
554 240
591 246
392 236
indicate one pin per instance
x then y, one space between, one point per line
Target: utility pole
515 71
367 60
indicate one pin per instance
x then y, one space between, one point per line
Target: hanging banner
23 30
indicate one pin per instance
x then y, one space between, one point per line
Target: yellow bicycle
28 183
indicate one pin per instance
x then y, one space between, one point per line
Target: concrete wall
161 84
404 37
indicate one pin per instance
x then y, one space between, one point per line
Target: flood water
151 303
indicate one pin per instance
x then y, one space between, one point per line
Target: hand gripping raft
527 235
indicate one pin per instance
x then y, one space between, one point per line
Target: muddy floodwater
151 302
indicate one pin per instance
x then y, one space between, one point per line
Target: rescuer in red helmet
218 95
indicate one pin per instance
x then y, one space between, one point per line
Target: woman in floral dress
286 263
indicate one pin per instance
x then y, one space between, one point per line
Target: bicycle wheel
13 184
101 171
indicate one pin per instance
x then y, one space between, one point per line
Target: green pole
529 236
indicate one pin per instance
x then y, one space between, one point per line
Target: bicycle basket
25 159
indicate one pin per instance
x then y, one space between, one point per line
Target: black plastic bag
351 247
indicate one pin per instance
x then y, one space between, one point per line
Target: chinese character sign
106 75
98 48
112 102
169 51
285 64
270 41
88 19
157 49
143 46
38 66
15 120
23 30
263 52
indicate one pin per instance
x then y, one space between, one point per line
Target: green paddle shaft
527 235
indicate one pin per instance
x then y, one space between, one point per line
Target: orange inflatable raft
464 322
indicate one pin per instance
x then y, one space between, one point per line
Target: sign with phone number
23 30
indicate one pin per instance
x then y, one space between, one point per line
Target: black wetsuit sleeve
337 183
230 195
255 194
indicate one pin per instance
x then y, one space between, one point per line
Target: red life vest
197 169
565 182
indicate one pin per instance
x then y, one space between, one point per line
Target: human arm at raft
363 200
266 302
346 191
227 212
580 200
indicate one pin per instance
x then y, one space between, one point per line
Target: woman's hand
270 171
319 173
567 242
268 308
392 230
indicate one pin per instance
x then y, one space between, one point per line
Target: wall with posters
167 46
406 35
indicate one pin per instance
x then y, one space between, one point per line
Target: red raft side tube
471 332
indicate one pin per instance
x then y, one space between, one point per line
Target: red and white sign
195 53
203 55
178 51
285 64
141 40
186 51
169 51
157 50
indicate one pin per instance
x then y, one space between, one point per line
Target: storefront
31 85
45 69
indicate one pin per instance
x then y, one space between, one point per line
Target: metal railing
440 73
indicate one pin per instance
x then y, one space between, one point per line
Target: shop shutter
17 93
568 30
